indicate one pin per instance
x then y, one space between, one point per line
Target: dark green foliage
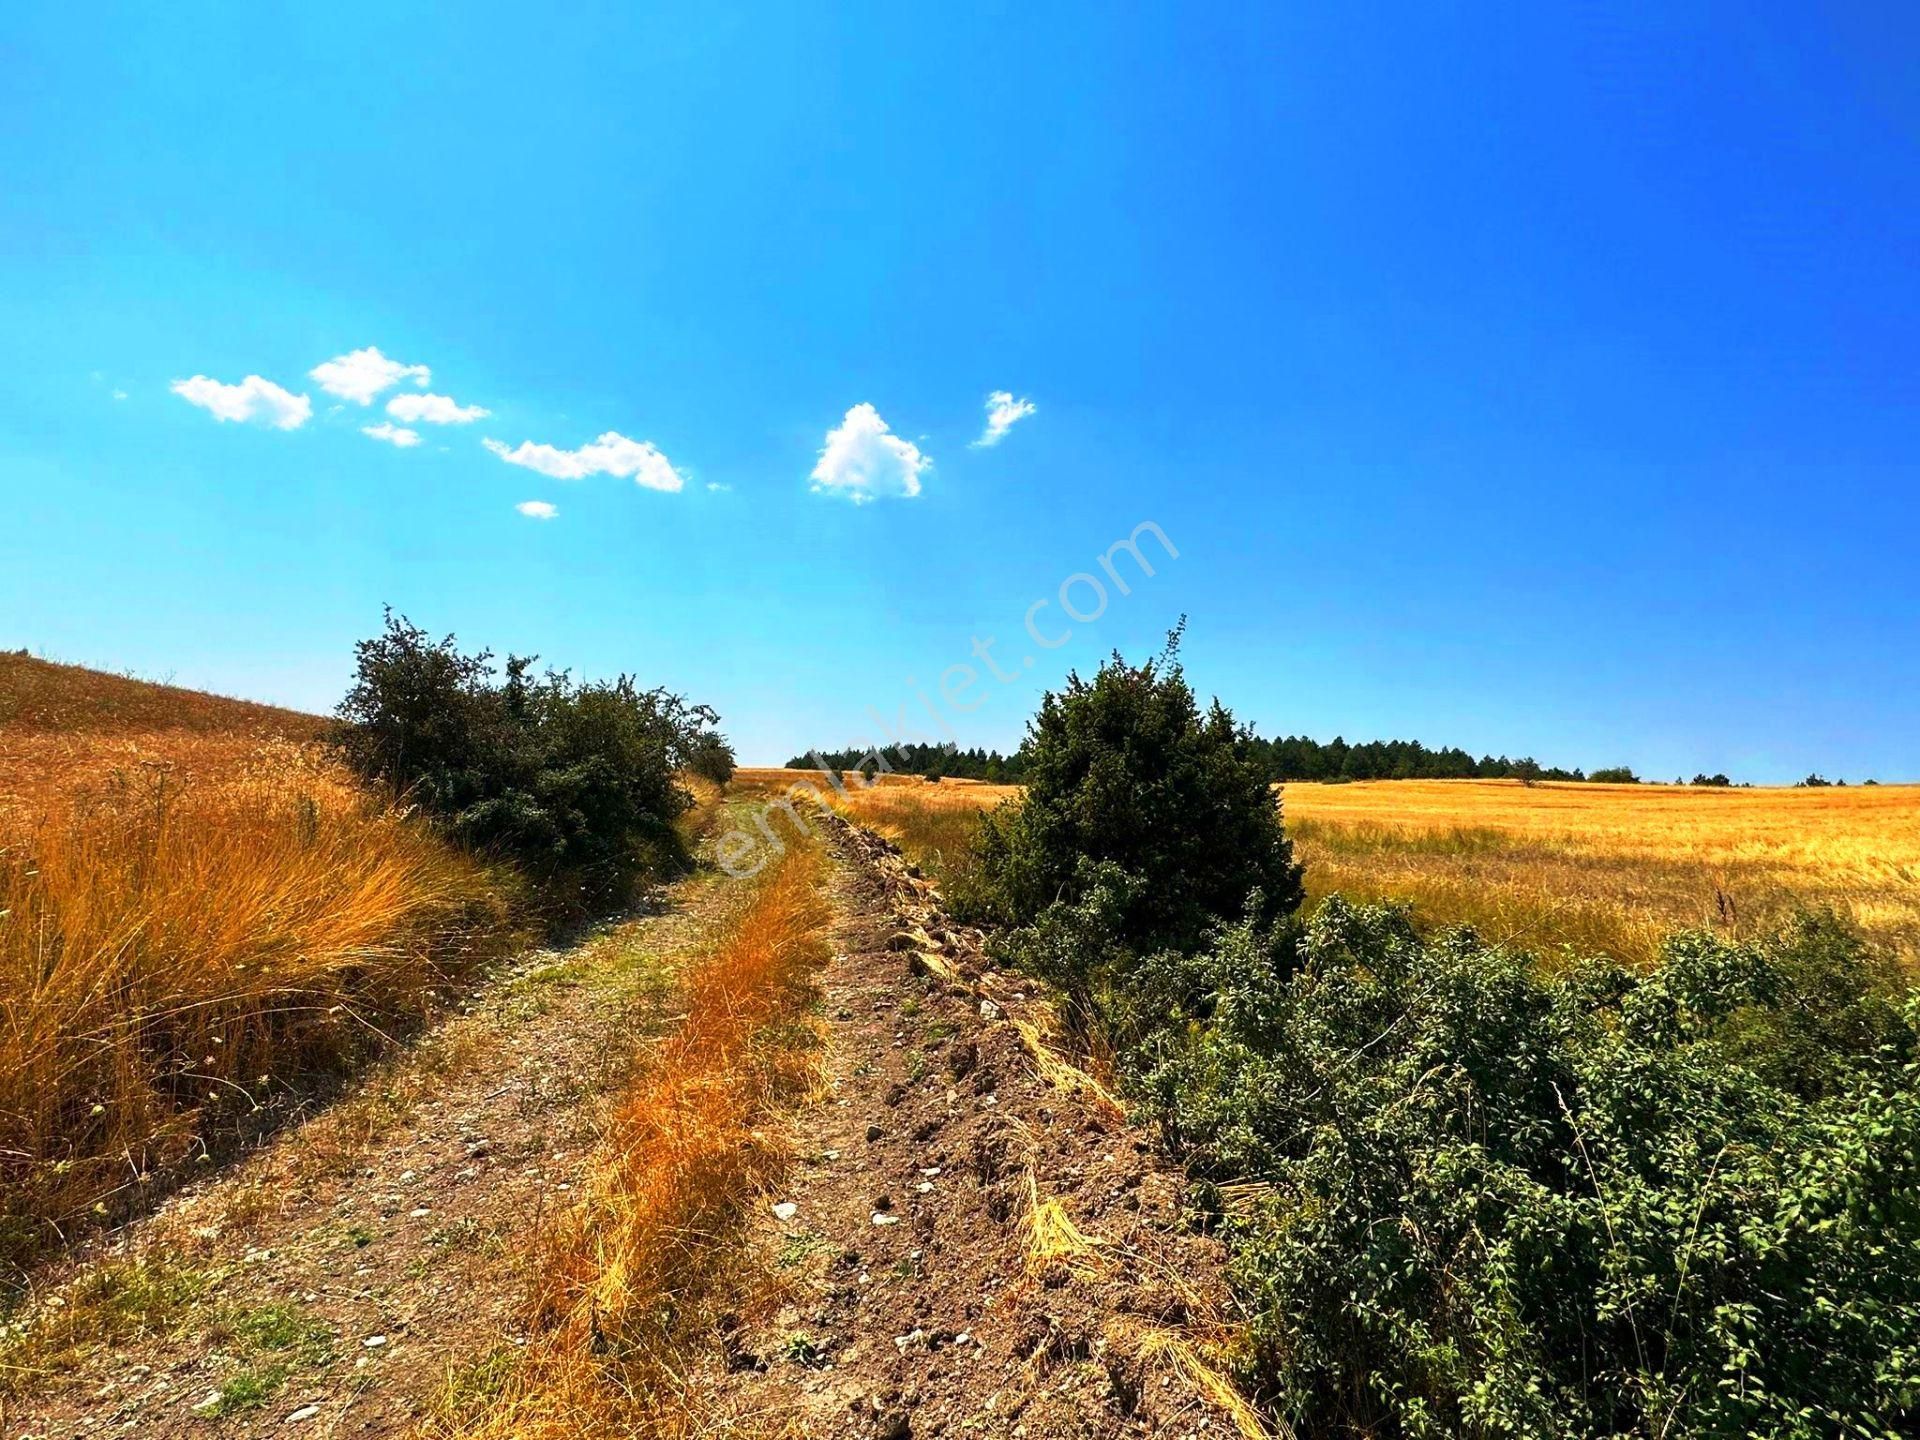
710 757
1497 1201
1715 781
575 782
935 762
1614 775
1145 821
1295 757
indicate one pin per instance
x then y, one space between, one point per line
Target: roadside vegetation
628 1284
210 910
1472 1188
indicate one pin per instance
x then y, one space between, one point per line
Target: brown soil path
972 1242
965 1248
331 1284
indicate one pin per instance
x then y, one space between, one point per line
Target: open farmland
1601 868
1612 868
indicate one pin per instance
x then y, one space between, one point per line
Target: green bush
1597 1203
1144 818
574 782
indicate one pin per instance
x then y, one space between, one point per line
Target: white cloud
612 454
537 509
393 434
252 399
119 394
363 374
1003 411
864 460
434 409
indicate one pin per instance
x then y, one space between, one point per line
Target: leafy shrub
710 757
1131 787
1497 1201
572 781
1614 775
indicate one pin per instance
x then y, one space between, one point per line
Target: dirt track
924 1297
963 1246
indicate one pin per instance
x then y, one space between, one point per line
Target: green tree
1140 807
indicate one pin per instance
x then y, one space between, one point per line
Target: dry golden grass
625 1281
192 920
933 824
1612 868
42 696
1601 868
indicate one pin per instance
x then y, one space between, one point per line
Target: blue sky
1533 382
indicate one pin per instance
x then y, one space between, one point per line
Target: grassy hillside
200 914
42 697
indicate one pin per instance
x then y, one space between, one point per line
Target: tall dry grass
628 1281
1614 868
194 925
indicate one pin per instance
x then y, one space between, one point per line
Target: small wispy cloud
252 399
1003 413
612 454
393 434
434 410
119 394
862 459
537 509
360 375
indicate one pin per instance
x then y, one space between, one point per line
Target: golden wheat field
1600 868
200 913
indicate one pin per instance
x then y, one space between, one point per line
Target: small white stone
374 1342
880 1219
785 1211
305 1412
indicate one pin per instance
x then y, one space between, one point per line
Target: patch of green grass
112 1304
798 1249
802 1350
280 1327
248 1389
362 1236
916 1066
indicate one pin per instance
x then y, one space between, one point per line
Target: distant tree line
1296 757
935 762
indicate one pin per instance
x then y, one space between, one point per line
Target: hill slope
42 697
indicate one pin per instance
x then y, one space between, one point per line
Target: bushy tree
1614 775
1594 1202
574 782
1144 807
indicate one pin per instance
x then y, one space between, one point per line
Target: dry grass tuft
628 1280
191 921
